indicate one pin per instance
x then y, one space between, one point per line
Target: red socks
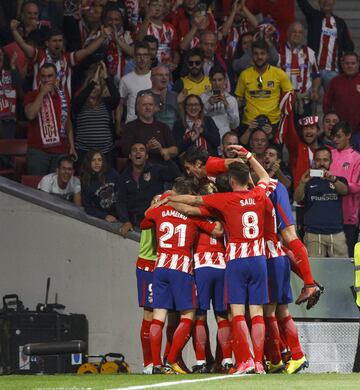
258 337
181 337
290 334
240 334
145 342
301 260
272 340
199 340
170 330
156 329
224 339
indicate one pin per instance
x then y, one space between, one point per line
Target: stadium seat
30 180
11 148
121 163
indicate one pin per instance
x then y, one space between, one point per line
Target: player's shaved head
239 172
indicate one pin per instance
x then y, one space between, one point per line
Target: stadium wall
92 270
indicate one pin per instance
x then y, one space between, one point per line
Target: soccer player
246 272
198 164
144 275
209 271
173 282
276 312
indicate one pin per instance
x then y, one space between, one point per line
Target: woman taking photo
99 187
195 128
92 114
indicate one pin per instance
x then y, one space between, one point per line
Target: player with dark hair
246 273
173 282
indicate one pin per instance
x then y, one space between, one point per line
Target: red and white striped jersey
132 11
233 37
7 95
327 56
273 246
63 66
176 234
300 65
209 252
243 213
168 40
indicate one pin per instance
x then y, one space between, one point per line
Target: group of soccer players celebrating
225 235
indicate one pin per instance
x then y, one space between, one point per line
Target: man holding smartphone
320 191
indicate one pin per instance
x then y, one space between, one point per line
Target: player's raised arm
255 165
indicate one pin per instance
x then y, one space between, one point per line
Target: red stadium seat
30 181
12 148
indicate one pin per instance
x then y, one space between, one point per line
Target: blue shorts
173 289
246 281
144 286
209 283
279 280
281 202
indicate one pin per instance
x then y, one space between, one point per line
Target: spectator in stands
324 230
153 44
298 61
302 149
119 48
93 115
328 36
346 163
239 22
195 82
186 12
275 166
228 139
196 129
330 119
258 142
281 11
219 104
165 33
156 135
63 183
54 53
99 187
243 57
261 122
343 95
212 57
50 133
244 45
259 87
9 82
29 27
134 82
166 101
139 183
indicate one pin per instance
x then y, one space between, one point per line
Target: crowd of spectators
98 80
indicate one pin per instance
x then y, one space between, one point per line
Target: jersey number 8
250 222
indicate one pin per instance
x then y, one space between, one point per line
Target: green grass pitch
253 382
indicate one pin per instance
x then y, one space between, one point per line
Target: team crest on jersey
270 84
358 87
346 165
332 186
147 176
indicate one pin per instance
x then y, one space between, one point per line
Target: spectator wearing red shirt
181 18
50 134
281 11
54 53
343 95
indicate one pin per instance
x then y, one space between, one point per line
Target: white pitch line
186 381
